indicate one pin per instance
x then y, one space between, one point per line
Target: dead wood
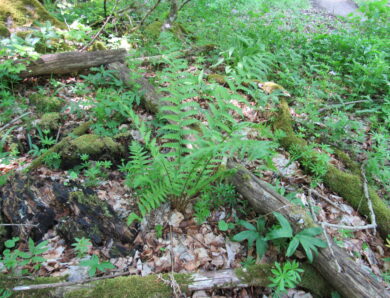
63 63
69 62
41 204
352 281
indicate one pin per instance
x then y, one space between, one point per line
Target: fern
191 151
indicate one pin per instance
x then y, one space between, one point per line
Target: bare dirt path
336 7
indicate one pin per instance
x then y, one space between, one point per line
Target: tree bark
352 281
69 62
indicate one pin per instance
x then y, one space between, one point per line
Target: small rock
200 294
175 219
77 273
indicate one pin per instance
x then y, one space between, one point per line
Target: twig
311 206
182 5
339 269
18 225
14 120
58 134
341 104
149 13
318 195
352 228
369 202
100 30
66 284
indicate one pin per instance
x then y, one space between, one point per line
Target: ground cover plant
124 167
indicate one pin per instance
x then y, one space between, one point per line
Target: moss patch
98 148
220 79
131 287
4 32
153 30
347 185
8 283
50 121
24 13
45 103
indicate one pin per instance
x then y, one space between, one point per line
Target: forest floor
166 240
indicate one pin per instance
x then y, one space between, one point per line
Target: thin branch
14 120
101 29
352 228
182 5
339 269
369 202
19 225
318 195
66 284
340 105
145 17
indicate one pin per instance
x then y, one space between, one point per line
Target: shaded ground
336 7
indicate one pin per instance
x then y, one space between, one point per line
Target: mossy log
37 205
352 280
78 131
158 286
347 185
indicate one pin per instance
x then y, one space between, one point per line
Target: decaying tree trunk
37 205
69 62
352 280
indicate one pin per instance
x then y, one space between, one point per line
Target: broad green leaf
285 231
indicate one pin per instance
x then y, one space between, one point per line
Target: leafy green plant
81 246
285 276
254 235
307 239
14 258
95 265
249 261
159 231
224 226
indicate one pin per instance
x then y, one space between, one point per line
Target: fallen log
352 281
69 62
120 285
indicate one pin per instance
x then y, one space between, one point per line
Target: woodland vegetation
194 148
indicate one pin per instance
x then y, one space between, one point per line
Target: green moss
8 283
256 275
50 121
350 187
91 200
314 282
98 148
131 286
94 145
348 162
347 185
45 103
220 79
98 46
24 12
4 32
154 29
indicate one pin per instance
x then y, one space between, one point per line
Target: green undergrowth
347 185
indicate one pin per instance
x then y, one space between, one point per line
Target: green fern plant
188 155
